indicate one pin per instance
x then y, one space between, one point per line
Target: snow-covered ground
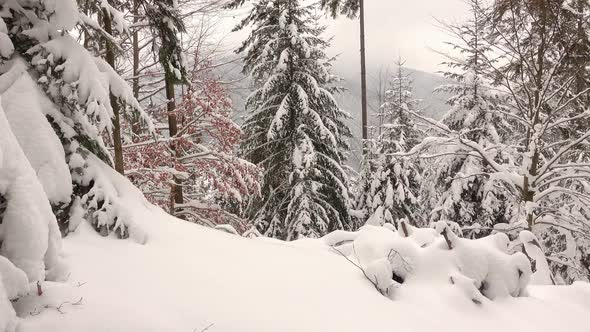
190 278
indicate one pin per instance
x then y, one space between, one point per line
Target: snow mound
14 279
531 247
7 315
482 269
188 277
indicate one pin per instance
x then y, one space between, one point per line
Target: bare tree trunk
135 125
528 194
363 73
110 59
381 90
581 52
176 191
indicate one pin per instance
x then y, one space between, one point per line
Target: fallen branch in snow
36 312
39 289
359 267
407 266
446 236
532 260
558 261
404 228
205 329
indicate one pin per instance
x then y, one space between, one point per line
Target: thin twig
359 267
205 329
36 311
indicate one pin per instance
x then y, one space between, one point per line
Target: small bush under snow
389 258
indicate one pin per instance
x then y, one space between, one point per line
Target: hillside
190 278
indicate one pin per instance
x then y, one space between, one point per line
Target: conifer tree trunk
176 191
363 72
581 56
135 126
110 59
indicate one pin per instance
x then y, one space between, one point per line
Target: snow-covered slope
189 278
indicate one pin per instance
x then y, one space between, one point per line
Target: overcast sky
397 27
393 27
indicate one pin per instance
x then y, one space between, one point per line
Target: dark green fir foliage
294 129
458 187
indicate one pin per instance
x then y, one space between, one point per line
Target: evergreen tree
457 185
349 8
390 181
295 129
80 88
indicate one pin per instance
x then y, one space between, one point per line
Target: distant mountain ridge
432 105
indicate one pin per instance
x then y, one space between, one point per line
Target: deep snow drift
189 278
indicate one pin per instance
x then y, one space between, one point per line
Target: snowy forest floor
190 278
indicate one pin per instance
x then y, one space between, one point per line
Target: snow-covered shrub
389 184
390 258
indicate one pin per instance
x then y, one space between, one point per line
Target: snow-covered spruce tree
294 130
30 242
363 197
456 184
75 94
390 191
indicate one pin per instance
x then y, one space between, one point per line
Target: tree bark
528 194
110 59
581 52
176 191
363 72
135 125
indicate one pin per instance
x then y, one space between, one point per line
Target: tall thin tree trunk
380 95
173 130
581 52
135 125
363 73
528 193
110 59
